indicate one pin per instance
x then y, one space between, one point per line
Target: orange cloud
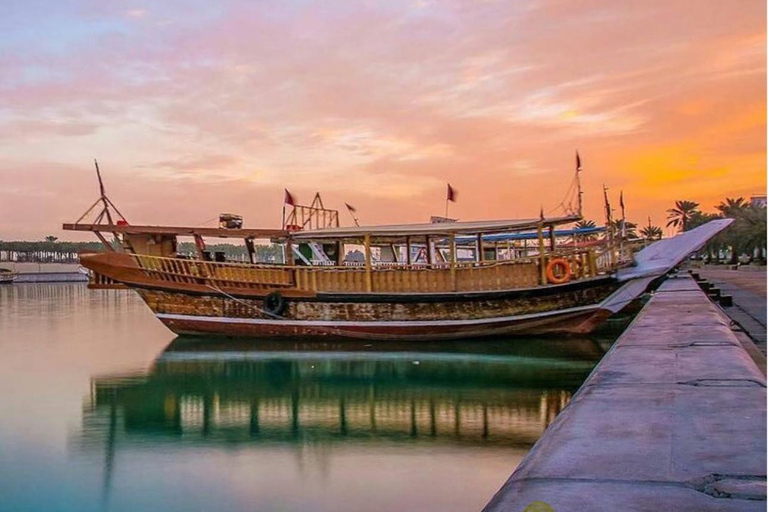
220 106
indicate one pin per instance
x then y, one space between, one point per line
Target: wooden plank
368 280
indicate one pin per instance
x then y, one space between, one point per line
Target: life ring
564 270
275 304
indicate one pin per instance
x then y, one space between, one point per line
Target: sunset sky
195 108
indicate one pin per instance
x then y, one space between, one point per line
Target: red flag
452 194
289 199
578 162
350 207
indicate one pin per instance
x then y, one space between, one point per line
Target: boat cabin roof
442 228
390 232
130 229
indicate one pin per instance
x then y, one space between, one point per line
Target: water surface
102 409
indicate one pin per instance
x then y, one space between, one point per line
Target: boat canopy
442 228
130 229
531 235
499 228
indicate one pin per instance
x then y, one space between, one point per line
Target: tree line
51 250
745 237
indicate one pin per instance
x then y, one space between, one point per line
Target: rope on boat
262 311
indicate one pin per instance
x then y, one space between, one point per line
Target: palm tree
586 224
650 232
629 227
680 215
732 207
51 238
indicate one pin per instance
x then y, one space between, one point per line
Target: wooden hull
564 309
191 306
572 322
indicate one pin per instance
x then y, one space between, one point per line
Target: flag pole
578 180
623 216
609 223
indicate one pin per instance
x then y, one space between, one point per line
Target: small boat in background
8 276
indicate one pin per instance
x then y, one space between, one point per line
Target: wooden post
408 250
592 263
429 250
251 250
453 261
542 260
368 277
289 253
480 251
552 238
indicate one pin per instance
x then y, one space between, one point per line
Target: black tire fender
275 304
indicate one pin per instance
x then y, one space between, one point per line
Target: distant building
758 201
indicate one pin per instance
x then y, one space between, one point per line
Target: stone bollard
705 285
726 301
714 293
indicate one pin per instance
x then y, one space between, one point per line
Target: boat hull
573 308
578 321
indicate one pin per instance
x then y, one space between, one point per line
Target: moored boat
434 281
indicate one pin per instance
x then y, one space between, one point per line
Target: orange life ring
564 269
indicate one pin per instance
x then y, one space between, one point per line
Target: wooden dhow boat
433 281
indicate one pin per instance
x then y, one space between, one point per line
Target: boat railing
235 275
389 277
617 255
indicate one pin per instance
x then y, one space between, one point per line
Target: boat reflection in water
502 394
320 398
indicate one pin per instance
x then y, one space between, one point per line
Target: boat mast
608 223
578 181
105 212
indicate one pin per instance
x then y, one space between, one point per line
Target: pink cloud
381 103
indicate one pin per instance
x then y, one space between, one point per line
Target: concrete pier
673 418
747 287
47 272
52 277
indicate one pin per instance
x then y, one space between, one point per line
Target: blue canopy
533 235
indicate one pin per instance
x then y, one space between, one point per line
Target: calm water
102 409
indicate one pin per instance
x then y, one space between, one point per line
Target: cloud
135 14
385 102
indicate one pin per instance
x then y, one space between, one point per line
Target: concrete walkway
673 418
748 288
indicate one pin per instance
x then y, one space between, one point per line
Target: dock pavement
747 286
673 418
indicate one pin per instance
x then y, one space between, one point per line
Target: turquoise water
102 409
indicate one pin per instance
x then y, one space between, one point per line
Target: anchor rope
262 311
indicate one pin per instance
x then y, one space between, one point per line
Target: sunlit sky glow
196 108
